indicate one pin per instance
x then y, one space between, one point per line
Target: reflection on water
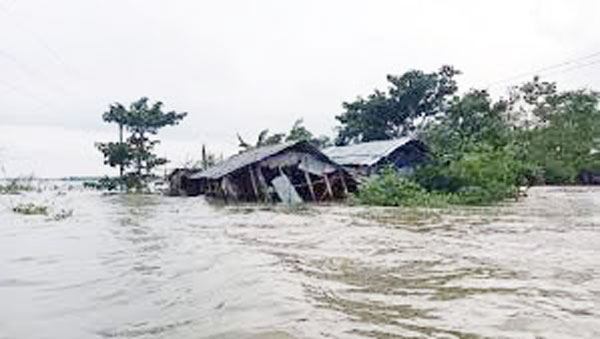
156 267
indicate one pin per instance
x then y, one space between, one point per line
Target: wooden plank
328 184
310 186
263 184
343 182
254 186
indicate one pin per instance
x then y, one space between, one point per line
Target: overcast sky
242 66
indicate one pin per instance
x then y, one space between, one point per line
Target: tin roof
241 160
366 153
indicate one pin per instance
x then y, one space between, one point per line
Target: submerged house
366 158
290 172
180 183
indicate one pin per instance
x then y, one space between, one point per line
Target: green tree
472 150
563 146
471 119
411 97
531 103
263 139
297 133
141 120
116 154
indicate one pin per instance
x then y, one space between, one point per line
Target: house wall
253 182
180 185
409 155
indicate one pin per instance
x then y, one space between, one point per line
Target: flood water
158 267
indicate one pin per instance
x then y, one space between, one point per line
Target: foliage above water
411 97
297 133
62 214
17 185
31 209
135 155
480 150
391 189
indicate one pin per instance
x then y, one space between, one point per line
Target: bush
31 209
105 183
18 185
479 176
557 172
62 215
391 189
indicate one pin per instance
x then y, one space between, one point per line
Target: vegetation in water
17 185
31 209
39 209
62 214
391 189
480 150
108 183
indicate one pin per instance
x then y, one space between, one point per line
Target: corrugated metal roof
243 159
366 153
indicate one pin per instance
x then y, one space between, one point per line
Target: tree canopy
136 153
297 132
481 149
410 98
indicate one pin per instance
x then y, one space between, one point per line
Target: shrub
15 186
391 189
31 209
62 215
557 172
477 177
105 183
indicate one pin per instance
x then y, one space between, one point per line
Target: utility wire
542 70
596 62
50 51
43 102
33 73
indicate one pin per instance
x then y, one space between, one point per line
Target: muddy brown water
158 267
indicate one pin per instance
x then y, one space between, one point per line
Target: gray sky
241 66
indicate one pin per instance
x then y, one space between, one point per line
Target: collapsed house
291 172
588 177
180 183
366 158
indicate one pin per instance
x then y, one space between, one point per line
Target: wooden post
343 182
221 190
254 187
328 184
262 182
310 186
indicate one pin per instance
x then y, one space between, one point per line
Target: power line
32 72
596 62
542 70
29 94
51 51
